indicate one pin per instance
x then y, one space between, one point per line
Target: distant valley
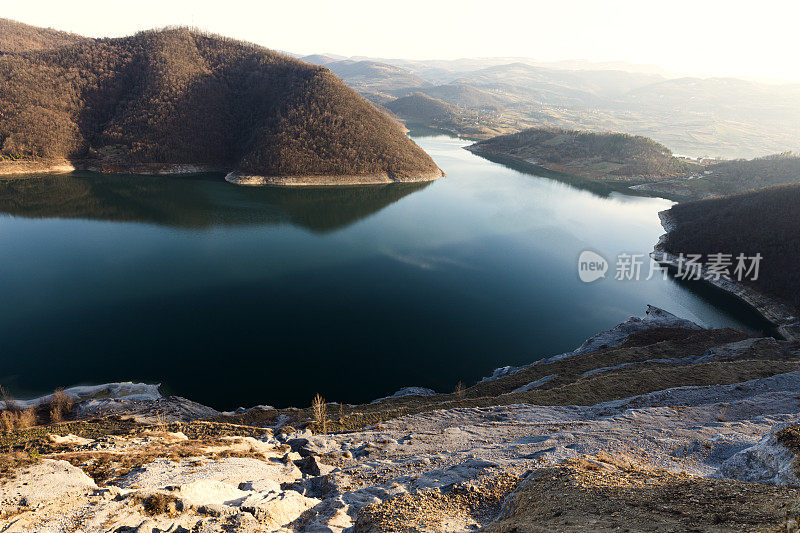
710 117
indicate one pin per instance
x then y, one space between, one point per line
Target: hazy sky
756 39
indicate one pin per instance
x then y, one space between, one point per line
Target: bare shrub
9 401
60 405
460 390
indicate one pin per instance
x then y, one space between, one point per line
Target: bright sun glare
702 38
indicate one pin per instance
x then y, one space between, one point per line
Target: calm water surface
240 296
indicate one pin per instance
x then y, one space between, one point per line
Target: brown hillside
176 97
16 37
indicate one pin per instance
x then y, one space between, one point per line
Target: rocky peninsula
614 157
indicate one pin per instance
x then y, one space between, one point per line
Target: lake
235 296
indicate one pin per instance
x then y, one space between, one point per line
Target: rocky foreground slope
655 425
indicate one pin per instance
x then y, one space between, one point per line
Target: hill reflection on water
193 202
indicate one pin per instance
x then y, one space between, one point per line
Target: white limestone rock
44 481
768 461
278 509
232 470
210 492
535 384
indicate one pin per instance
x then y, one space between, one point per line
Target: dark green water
240 296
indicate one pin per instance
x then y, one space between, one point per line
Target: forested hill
613 156
761 222
175 96
731 177
16 37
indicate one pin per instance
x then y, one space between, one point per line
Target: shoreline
781 316
17 169
332 180
628 181
145 401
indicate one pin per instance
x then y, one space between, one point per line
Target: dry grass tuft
160 422
469 505
8 421
13 420
285 430
12 461
161 503
590 495
320 412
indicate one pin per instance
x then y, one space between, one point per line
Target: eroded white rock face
409 391
278 509
273 509
169 409
654 318
45 481
210 492
434 451
231 470
535 384
125 390
768 461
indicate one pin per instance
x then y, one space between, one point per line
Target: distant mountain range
175 100
717 117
